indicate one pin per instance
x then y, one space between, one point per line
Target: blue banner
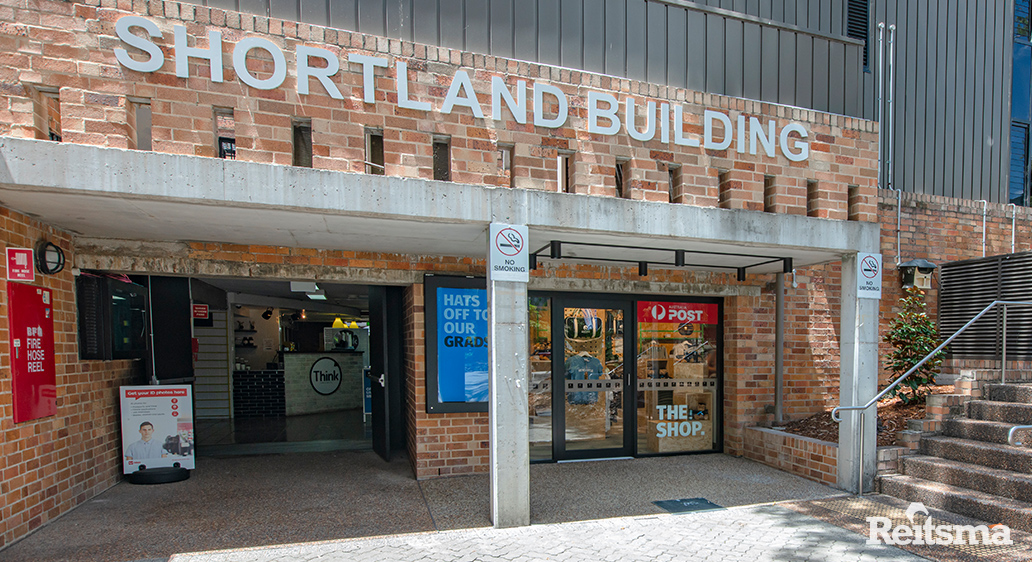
461 345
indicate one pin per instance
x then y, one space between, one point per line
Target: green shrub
913 336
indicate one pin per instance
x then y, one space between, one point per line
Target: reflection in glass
593 367
677 376
540 388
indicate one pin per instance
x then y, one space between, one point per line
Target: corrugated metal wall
953 60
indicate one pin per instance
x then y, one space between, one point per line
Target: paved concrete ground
745 534
294 498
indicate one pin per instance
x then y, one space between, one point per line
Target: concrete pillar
508 419
858 381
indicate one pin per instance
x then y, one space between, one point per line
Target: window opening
564 171
141 122
1022 19
303 143
506 152
51 106
674 181
225 132
812 197
621 179
442 158
374 163
769 195
1019 168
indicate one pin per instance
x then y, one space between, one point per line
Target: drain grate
862 509
688 505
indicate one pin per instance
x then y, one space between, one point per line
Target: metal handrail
862 409
1011 434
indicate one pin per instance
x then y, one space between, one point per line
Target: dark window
303 143
1022 17
442 160
565 172
505 157
674 179
52 111
143 125
374 152
1018 189
225 132
858 22
112 317
621 179
813 194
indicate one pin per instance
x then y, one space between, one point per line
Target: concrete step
993 481
1000 411
1018 393
978 505
982 430
992 455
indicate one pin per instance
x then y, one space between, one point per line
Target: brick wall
52 464
68 46
804 456
258 394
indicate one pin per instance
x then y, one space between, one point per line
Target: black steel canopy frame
555 252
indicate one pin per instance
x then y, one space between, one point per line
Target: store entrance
616 376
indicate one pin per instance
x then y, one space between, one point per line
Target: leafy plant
913 335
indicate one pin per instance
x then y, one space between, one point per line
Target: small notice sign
869 276
200 312
19 265
508 256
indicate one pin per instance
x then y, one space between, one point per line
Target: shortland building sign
606 115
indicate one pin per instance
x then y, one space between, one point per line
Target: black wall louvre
858 23
966 287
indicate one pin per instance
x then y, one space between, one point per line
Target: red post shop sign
200 312
34 379
678 312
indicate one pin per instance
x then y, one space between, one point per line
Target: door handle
382 381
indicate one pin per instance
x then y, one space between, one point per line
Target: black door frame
386 371
559 300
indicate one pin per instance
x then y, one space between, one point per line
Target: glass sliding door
540 391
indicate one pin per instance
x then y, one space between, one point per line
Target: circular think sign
325 375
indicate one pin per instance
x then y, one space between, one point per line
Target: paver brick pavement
767 533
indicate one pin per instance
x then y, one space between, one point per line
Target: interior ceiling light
268 313
319 295
338 323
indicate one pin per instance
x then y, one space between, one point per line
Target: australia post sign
678 312
34 380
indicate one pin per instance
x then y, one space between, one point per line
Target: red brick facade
58 73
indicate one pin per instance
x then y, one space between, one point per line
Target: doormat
688 505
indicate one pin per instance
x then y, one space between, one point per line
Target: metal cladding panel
770 65
315 12
851 81
752 72
616 37
837 77
677 56
525 31
283 9
787 67
478 26
594 39
657 45
637 49
714 69
222 4
399 20
697 41
502 28
571 33
371 17
548 32
967 287
734 75
452 29
256 7
821 76
424 22
805 71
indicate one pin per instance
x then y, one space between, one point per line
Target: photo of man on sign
147 447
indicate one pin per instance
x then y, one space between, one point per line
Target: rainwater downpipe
985 205
891 118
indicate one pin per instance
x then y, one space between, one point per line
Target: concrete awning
125 194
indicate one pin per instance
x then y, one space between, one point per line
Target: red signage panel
19 265
678 312
200 312
30 311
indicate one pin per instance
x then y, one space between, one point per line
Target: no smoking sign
869 279
508 258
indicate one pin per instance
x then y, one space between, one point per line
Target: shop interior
295 354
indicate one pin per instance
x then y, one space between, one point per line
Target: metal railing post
1003 361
